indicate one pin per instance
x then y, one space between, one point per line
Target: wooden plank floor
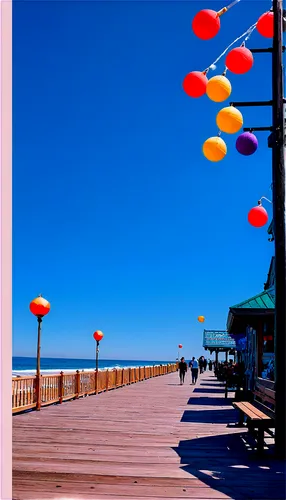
154 439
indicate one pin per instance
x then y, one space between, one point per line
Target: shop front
251 325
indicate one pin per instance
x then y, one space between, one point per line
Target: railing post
77 384
122 377
107 380
38 392
96 381
115 378
61 387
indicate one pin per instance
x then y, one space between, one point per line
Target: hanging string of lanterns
239 60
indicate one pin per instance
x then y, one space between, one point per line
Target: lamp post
276 143
40 307
179 347
98 336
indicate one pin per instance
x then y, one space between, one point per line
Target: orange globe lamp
39 307
214 149
229 120
201 319
218 88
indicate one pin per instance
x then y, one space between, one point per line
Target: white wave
25 373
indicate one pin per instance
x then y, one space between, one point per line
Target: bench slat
242 407
259 413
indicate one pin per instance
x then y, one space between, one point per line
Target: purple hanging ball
246 144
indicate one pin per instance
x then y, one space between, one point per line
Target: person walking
205 364
194 370
183 367
201 364
211 365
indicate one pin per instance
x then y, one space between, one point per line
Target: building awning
262 304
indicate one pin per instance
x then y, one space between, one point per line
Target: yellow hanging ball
214 149
218 88
229 120
201 319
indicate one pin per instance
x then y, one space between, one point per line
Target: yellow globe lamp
201 319
229 120
214 149
218 88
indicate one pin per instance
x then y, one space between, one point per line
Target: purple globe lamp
246 143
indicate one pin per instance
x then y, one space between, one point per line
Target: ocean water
27 366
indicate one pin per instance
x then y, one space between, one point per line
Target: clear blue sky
118 220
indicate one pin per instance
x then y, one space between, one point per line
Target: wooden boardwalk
154 439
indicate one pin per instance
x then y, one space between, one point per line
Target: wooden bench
260 415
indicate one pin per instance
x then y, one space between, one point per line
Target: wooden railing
28 394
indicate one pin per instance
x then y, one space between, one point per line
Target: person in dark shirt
182 370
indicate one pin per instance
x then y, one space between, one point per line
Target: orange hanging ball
239 60
195 84
265 25
201 319
206 24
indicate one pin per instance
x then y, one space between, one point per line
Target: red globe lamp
195 84
265 25
98 336
206 24
258 216
239 60
40 307
180 346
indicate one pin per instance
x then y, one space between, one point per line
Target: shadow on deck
226 460
230 467
209 401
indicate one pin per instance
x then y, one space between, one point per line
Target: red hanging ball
239 60
258 216
195 84
265 25
206 24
